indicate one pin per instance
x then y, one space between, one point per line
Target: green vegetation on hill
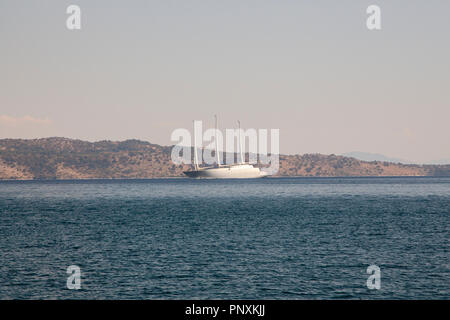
62 158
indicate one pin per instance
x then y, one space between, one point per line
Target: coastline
212 179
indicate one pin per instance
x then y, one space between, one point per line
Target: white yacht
240 170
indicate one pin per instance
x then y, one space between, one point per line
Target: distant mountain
440 161
62 158
366 156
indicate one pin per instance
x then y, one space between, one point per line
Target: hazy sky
140 69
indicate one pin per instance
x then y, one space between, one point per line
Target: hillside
62 158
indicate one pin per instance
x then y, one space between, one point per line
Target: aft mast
240 144
217 144
195 148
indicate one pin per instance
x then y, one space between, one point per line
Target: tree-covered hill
62 158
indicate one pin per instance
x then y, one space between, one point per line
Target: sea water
273 238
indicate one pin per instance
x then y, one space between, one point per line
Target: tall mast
240 144
195 148
217 144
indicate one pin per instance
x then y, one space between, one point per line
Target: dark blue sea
274 238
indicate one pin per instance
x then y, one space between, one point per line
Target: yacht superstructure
240 170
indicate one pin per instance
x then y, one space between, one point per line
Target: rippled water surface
299 238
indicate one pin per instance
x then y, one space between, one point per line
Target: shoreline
187 178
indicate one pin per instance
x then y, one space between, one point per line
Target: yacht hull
227 172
